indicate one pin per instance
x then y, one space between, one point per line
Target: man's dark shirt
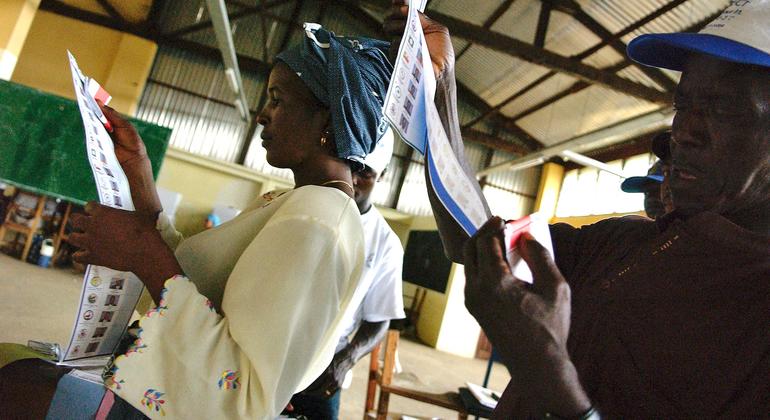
669 320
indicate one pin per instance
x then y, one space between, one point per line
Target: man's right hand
527 324
132 156
442 54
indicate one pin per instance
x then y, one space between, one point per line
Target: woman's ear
327 141
327 132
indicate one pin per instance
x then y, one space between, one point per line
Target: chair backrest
390 343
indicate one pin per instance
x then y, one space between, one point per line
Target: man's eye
725 111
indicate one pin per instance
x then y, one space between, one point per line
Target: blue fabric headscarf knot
350 76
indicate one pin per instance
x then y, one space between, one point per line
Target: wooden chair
61 234
28 232
413 313
384 377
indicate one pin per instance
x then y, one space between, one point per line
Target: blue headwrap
350 76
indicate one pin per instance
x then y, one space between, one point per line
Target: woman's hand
442 54
527 324
124 241
132 156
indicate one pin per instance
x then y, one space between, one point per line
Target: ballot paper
484 396
537 226
108 297
410 108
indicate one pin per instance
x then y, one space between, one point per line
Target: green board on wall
42 144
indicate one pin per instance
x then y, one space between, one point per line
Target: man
382 300
657 194
643 319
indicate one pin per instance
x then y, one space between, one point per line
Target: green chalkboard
42 144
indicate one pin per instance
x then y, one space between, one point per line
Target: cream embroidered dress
258 316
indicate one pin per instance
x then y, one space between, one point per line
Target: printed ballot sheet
409 106
411 110
108 297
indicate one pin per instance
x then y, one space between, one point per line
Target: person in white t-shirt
381 289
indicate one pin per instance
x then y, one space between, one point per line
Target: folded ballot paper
484 396
107 297
537 226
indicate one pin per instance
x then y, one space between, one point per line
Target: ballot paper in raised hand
108 297
405 100
410 108
537 226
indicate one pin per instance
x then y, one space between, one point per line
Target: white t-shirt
381 277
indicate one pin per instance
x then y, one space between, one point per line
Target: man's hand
332 378
527 324
124 241
132 156
442 54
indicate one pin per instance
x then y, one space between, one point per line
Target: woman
249 313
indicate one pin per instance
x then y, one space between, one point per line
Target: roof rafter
573 9
468 96
113 12
494 142
522 50
542 23
580 85
634 26
262 8
491 20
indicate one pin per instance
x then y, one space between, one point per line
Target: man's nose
687 130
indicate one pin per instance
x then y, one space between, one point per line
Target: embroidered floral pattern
152 401
136 347
270 196
160 309
112 383
230 379
109 375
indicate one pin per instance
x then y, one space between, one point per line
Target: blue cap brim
670 51
638 184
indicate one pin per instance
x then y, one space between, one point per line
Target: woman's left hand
124 241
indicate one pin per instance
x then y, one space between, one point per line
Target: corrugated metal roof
581 113
414 193
474 12
520 21
212 127
495 76
524 182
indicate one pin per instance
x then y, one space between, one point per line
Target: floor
41 304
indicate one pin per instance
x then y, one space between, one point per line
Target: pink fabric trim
104 408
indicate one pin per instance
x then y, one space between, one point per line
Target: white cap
379 159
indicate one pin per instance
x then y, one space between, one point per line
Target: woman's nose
262 117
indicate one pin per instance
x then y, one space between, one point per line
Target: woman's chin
276 163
